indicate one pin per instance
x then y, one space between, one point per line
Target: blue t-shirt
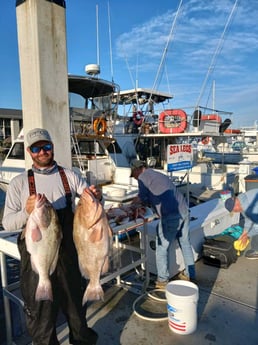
249 203
158 191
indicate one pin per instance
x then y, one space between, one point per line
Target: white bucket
182 297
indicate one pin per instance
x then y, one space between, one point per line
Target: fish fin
54 263
105 266
96 234
44 291
93 293
110 232
36 235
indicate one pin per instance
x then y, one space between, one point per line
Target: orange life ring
232 131
205 140
138 118
100 126
172 121
211 117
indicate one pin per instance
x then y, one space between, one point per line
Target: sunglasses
37 149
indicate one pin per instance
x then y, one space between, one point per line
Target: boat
161 126
224 157
233 153
104 142
95 152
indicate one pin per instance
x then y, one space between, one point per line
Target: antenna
94 69
110 45
97 29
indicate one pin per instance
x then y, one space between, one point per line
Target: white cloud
191 53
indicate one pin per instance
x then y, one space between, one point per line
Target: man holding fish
41 201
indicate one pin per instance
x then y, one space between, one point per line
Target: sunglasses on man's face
37 149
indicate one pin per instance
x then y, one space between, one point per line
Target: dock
227 311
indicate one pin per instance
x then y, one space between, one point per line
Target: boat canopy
89 87
141 96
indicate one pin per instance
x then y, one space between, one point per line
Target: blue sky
209 43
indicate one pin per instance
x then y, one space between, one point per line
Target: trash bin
251 182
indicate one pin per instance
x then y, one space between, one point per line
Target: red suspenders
68 194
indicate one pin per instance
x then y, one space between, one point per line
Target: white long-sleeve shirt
15 215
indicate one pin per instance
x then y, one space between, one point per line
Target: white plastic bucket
182 297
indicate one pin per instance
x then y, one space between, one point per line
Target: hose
149 294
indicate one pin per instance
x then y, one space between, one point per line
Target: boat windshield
17 151
239 145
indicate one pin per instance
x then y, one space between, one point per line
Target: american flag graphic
173 322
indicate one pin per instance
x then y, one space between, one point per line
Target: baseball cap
38 134
230 203
136 163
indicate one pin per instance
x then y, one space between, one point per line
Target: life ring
211 117
138 118
206 140
172 121
100 125
232 131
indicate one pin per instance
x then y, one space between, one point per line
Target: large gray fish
43 236
91 234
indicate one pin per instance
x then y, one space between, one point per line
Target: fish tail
44 291
93 293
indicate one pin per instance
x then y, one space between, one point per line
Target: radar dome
92 69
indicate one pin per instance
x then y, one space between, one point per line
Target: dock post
41 29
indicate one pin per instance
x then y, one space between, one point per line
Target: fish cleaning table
9 248
140 225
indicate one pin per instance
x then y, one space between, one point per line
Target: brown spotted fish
91 235
43 236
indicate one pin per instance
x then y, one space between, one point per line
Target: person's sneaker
182 276
251 254
161 285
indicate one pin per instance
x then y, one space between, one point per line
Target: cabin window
17 152
90 148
